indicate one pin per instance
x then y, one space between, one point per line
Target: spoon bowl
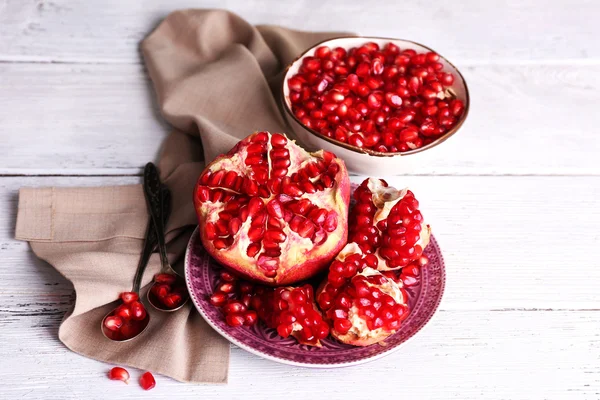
129 331
159 305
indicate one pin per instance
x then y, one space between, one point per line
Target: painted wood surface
512 198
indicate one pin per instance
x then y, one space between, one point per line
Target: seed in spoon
119 374
124 312
138 311
129 297
160 290
113 323
169 279
130 329
172 300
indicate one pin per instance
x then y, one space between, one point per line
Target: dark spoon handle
151 239
158 199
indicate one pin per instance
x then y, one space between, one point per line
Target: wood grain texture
467 32
102 119
462 355
503 245
512 199
519 317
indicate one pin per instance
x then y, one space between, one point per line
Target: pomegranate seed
235 320
113 323
250 318
324 52
147 381
168 279
119 374
124 312
447 79
218 299
129 297
234 306
138 312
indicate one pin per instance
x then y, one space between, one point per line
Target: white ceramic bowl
364 161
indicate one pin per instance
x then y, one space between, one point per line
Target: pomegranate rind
300 258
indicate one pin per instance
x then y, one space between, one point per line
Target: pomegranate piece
119 374
366 309
387 226
293 312
374 92
272 212
147 381
363 297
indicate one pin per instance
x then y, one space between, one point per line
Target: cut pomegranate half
272 211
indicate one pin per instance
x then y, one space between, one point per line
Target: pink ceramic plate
202 274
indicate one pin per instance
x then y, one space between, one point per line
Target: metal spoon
150 242
155 196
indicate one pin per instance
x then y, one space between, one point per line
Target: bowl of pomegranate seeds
374 101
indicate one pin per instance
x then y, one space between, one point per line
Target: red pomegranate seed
124 312
147 381
218 299
235 320
138 312
119 374
169 279
234 306
113 323
129 297
160 290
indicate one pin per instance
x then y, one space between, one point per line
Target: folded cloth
216 78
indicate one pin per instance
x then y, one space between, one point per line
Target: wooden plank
508 243
472 32
102 119
459 355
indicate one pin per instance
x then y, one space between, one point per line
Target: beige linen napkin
215 77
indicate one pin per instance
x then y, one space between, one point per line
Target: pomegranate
381 99
271 211
292 311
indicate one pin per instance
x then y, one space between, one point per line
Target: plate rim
195 236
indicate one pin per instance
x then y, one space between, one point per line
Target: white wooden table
514 203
